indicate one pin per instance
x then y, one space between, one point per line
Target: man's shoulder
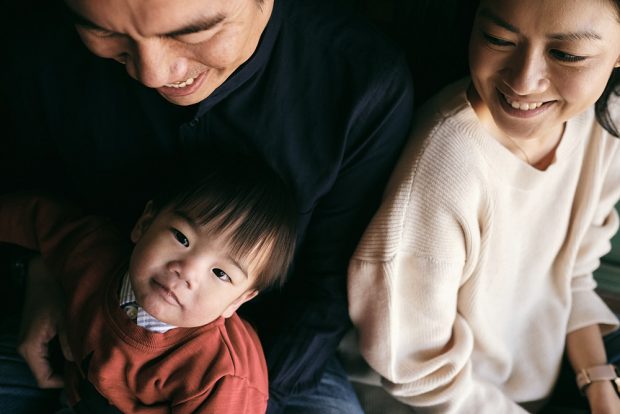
337 30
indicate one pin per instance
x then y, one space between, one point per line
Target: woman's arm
585 349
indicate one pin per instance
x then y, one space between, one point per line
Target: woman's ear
143 223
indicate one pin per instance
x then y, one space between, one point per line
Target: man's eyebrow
198 25
489 15
80 20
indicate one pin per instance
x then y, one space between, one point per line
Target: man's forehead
152 17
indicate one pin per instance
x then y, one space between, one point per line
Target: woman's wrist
602 397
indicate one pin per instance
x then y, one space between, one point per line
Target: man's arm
314 302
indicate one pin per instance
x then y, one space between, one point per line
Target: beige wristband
587 376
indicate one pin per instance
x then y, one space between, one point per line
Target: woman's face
537 63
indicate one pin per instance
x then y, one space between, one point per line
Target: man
322 98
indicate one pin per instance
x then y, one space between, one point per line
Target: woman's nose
527 72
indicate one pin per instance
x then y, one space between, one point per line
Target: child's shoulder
232 345
244 345
244 353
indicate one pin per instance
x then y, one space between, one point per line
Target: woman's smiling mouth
521 108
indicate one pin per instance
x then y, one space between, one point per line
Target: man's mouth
183 88
181 84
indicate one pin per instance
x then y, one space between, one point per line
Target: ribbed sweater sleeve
404 282
587 306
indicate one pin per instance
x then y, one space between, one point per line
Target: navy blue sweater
324 99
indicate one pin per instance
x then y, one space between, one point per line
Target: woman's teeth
523 106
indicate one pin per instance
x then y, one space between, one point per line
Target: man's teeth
523 106
181 84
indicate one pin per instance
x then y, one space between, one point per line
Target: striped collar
136 312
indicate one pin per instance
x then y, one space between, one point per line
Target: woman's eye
566 57
496 41
180 237
221 275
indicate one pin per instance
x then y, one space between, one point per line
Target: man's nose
527 72
156 63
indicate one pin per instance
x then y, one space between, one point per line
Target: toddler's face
183 274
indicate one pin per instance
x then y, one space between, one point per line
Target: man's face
184 50
183 273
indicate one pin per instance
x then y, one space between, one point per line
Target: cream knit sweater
477 265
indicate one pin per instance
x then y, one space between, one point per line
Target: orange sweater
216 368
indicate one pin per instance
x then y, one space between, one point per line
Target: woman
475 275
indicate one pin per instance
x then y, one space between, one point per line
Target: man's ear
143 223
232 308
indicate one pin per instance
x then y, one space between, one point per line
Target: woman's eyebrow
581 35
584 35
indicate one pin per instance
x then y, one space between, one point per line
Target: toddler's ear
143 222
247 295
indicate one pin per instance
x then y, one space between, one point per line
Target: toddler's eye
180 237
221 275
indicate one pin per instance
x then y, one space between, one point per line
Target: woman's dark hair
243 197
613 88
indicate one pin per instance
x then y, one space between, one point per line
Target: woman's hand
42 320
603 398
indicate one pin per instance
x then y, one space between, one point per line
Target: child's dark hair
613 88
239 194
